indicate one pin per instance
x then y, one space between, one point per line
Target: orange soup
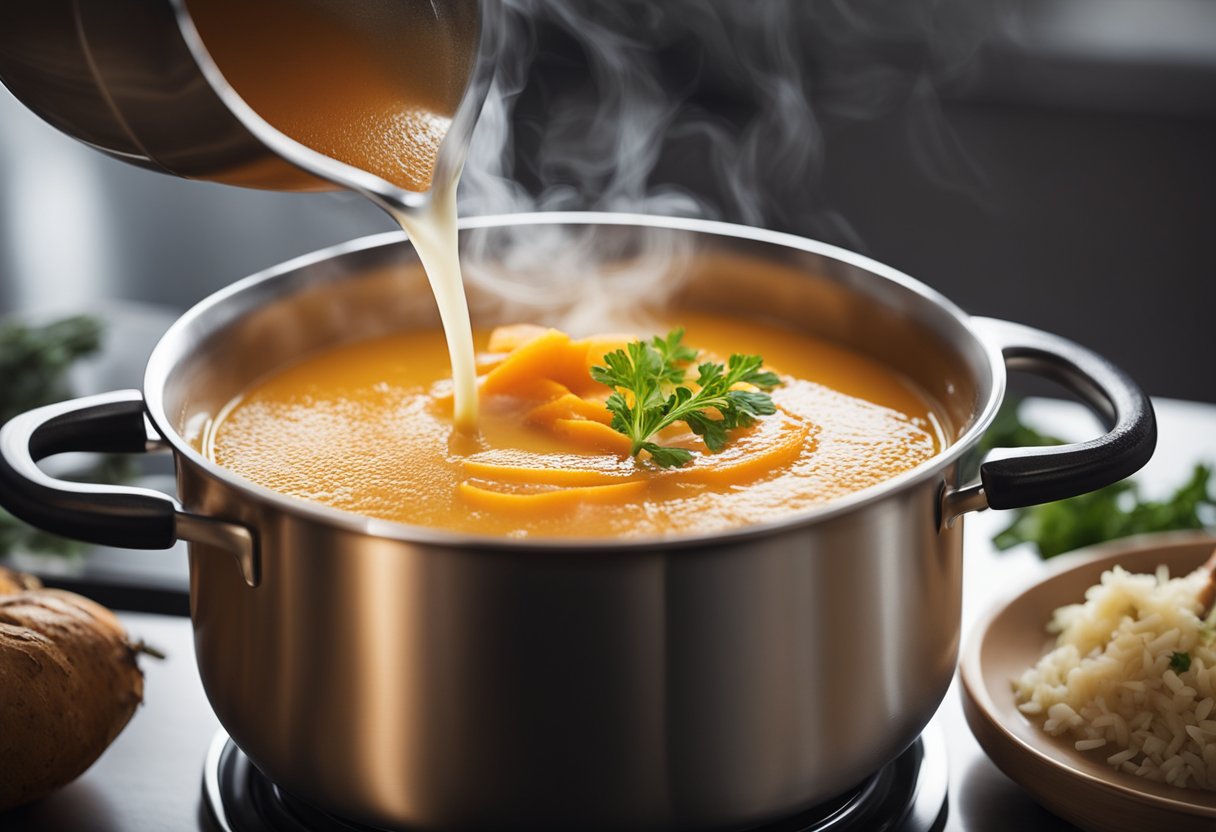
373 84
367 428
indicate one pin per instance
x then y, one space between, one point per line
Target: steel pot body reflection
411 678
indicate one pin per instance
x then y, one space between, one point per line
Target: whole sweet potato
68 685
11 581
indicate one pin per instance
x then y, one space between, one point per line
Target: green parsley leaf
1181 662
34 364
674 355
649 395
1008 431
34 360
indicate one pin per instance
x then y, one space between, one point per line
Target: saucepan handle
111 515
1028 476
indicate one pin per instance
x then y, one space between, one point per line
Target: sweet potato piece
543 476
11 581
549 356
547 502
600 345
593 435
776 443
68 685
513 336
569 406
542 390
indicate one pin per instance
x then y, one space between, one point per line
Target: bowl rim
179 337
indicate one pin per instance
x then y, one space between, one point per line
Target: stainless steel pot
409 677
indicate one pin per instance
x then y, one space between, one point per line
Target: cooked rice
1110 686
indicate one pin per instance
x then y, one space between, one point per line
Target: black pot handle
1028 476
111 515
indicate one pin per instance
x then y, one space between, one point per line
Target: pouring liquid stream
434 234
374 86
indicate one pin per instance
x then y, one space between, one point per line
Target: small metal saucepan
409 677
134 80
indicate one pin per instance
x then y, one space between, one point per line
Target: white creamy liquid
372 84
433 231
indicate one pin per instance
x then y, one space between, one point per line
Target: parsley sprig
649 395
1180 662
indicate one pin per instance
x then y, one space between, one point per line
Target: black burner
908 795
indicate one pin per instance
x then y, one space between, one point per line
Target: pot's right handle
1013 478
112 515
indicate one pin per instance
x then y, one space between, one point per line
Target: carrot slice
487 361
541 390
540 475
514 336
551 355
593 435
556 500
776 443
569 406
600 345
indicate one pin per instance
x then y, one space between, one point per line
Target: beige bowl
1079 787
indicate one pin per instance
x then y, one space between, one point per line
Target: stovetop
906 795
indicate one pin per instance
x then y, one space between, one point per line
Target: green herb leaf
1008 431
674 355
649 395
16 536
34 361
1180 662
667 457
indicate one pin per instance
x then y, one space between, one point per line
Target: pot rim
173 344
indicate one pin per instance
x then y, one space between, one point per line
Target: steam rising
623 96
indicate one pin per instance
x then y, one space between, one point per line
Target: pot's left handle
111 515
